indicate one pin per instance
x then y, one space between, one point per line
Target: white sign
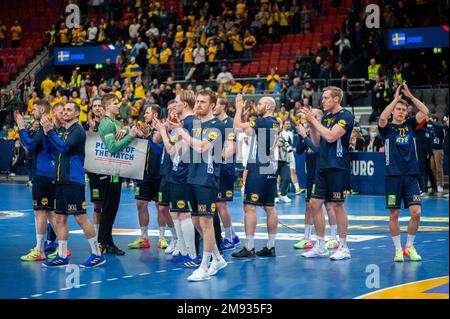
130 162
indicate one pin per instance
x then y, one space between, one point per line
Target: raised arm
237 122
424 112
386 114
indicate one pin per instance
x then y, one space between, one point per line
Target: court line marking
112 279
50 292
96 282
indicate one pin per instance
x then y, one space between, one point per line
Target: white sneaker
285 199
341 253
277 200
12 174
298 191
243 189
440 189
171 248
199 275
215 266
316 252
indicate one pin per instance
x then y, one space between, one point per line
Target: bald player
261 185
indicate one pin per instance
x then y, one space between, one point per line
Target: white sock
333 231
93 242
228 234
296 186
180 242
397 242
173 232
40 242
161 232
205 260
308 230
62 248
144 232
250 242
410 240
343 242
233 234
321 241
96 226
216 254
189 236
271 241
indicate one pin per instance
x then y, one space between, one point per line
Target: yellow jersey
236 87
188 55
2 31
165 55
237 44
83 117
153 56
47 86
249 42
249 88
15 32
179 36
240 9
212 51
272 80
30 104
139 92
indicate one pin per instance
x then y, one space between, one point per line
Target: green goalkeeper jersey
108 130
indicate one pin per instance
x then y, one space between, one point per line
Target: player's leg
188 233
96 258
306 241
332 243
97 215
272 227
342 223
294 177
166 219
394 228
413 201
393 190
143 216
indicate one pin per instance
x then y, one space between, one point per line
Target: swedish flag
63 56
398 39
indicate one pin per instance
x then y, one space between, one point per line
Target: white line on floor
159 271
129 276
112 279
37 295
144 274
50 292
443 239
96 282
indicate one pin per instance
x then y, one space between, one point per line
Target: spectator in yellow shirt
284 22
272 79
79 36
248 88
235 87
249 43
179 35
237 43
63 35
2 34
212 50
188 59
47 85
139 91
34 98
16 34
165 53
240 7
84 110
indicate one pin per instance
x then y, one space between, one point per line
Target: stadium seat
10 51
21 61
29 53
20 51
11 59
12 69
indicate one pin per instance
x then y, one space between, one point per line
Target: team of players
189 174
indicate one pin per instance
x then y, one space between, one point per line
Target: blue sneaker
191 263
93 261
177 258
236 240
56 262
50 246
226 245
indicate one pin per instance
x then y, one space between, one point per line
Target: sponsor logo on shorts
254 197
84 205
313 189
136 191
336 195
95 193
44 201
72 207
160 197
35 203
391 200
213 207
231 136
181 204
219 195
229 194
201 208
416 198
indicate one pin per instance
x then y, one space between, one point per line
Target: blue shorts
163 193
402 187
147 189
203 200
70 199
260 190
331 184
226 188
43 193
309 188
179 196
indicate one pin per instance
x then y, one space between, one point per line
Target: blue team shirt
153 157
205 170
265 135
166 161
312 155
230 137
337 154
180 164
400 148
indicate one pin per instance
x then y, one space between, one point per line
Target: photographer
285 142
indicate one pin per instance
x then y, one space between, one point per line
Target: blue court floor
370 273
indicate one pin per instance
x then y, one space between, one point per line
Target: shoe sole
318 256
200 279
97 265
343 258
61 266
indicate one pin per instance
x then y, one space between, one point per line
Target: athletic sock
173 232
308 230
296 186
410 240
233 234
40 242
397 242
205 260
189 236
343 242
161 232
250 242
62 248
321 241
180 243
93 242
216 256
228 234
97 227
144 232
333 231
271 241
